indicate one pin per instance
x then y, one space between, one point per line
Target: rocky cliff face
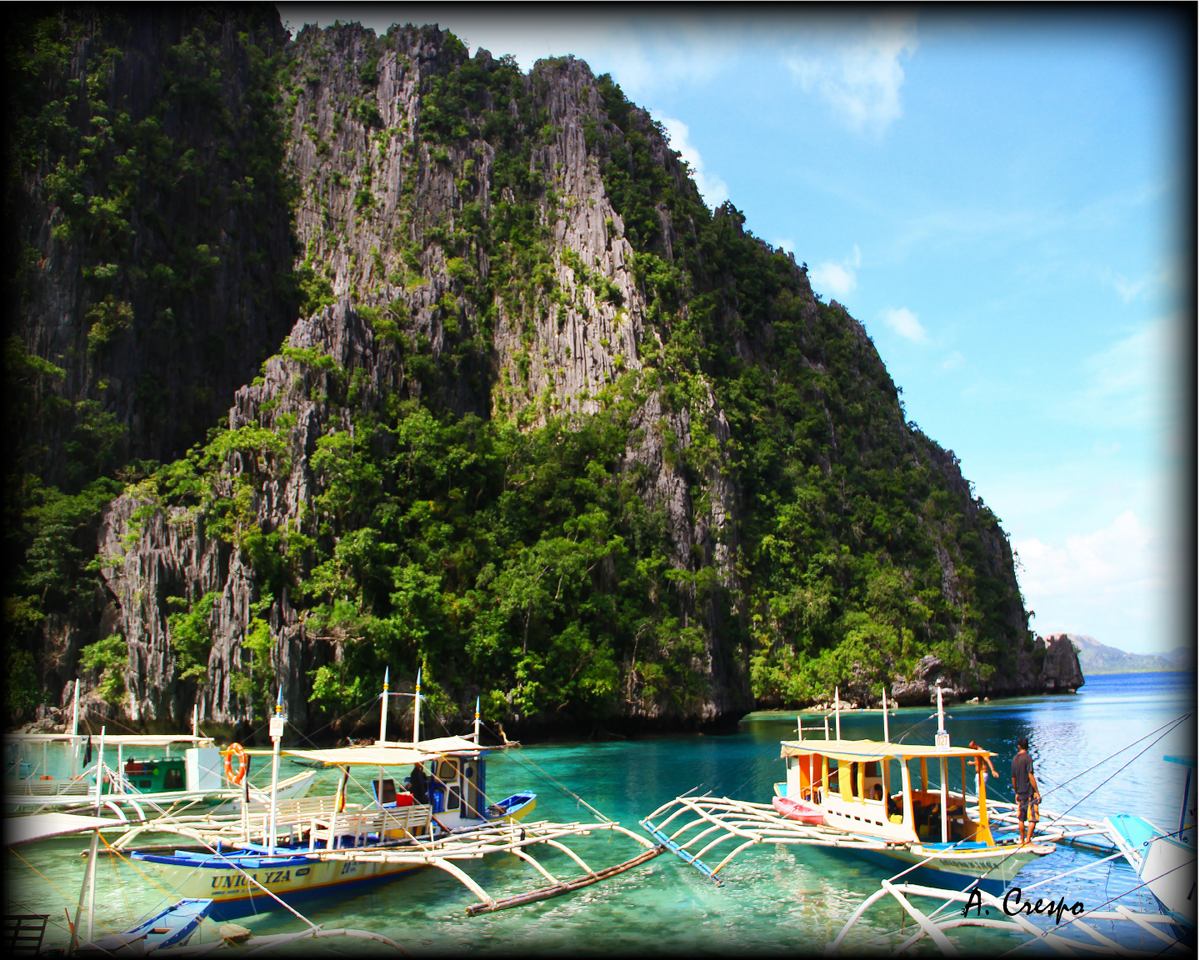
528 250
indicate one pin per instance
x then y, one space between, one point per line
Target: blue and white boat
172 927
1165 859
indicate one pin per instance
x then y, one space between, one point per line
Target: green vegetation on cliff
460 522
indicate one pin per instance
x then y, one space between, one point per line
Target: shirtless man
1026 789
981 775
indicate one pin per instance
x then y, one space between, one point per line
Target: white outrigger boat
876 802
287 851
140 786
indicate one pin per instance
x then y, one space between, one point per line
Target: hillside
540 421
1096 658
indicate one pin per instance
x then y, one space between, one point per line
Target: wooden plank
567 886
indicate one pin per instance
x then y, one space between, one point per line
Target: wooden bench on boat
396 823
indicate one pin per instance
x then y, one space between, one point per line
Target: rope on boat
1172 725
1169 723
552 780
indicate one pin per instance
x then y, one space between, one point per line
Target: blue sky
999 199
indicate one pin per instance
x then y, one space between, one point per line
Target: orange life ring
236 750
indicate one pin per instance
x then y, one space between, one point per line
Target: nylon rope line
344 716
1095 909
65 895
1170 723
1173 725
552 780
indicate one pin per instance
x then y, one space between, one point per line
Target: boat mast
885 725
477 724
89 874
837 712
417 711
74 735
276 731
383 711
942 740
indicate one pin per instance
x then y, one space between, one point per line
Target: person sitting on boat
1026 789
878 792
418 784
981 775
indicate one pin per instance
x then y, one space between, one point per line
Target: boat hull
1169 870
292 878
952 870
799 810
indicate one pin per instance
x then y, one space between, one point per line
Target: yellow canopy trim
860 751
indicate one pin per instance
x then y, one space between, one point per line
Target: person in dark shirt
419 784
1026 789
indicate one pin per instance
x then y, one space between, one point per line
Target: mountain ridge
545 425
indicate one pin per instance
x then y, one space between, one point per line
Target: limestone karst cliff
542 422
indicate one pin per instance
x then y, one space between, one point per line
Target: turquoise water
774 899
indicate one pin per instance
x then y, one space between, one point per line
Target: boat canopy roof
364 756
39 826
859 751
449 745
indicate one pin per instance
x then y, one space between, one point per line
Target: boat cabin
883 790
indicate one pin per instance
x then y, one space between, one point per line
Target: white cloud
862 79
1131 383
904 322
712 188
1145 285
837 279
1106 584
954 359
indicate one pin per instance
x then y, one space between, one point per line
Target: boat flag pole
276 731
417 711
476 721
885 723
837 712
383 710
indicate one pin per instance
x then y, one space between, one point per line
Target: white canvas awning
364 756
39 826
448 745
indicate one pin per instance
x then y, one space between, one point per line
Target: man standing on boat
1026 789
981 775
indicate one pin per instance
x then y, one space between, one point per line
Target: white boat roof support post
886 738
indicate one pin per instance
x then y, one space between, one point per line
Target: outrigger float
286 851
873 803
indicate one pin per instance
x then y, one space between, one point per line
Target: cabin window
447 771
173 780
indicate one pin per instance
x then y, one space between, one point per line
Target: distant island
1096 658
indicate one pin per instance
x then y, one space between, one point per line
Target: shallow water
775 899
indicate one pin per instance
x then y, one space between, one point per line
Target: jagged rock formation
527 250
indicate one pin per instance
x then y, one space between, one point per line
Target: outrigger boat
874 799
139 787
288 851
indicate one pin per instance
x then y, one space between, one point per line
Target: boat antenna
417 711
383 711
885 723
276 731
941 738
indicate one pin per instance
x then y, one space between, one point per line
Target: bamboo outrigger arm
935 924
